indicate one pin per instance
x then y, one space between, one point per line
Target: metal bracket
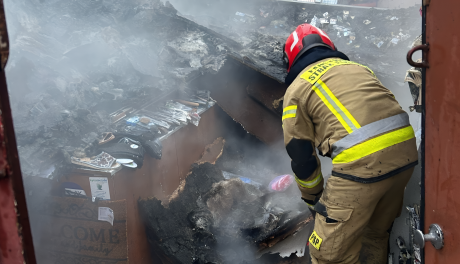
424 48
435 236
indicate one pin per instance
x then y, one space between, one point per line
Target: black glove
310 207
313 212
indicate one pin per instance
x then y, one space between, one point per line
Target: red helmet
302 39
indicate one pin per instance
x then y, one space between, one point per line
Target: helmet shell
302 39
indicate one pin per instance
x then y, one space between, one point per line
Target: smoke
74 62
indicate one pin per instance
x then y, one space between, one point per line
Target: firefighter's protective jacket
341 108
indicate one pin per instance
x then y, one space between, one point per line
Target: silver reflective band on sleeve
369 131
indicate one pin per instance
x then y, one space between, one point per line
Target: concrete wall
398 3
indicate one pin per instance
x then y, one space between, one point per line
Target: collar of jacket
310 57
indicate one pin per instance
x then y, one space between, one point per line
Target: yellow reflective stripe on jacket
313 74
336 107
310 184
373 145
290 112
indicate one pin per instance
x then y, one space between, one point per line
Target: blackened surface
217 221
266 25
173 228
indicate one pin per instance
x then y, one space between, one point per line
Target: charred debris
93 76
218 216
76 67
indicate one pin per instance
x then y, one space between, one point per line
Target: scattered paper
333 21
395 41
100 187
367 22
74 192
313 21
326 14
105 214
404 36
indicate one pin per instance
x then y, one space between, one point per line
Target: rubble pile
377 38
216 216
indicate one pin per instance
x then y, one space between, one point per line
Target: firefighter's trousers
358 214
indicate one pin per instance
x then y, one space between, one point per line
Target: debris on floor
212 218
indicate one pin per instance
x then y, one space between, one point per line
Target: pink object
281 183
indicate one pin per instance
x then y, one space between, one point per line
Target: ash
377 38
211 219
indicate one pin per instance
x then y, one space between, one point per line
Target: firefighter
342 109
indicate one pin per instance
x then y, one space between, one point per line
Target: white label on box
99 187
105 214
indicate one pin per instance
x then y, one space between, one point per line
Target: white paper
100 187
105 214
333 21
313 21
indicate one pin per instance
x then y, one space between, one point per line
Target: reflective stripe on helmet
296 40
295 47
324 34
